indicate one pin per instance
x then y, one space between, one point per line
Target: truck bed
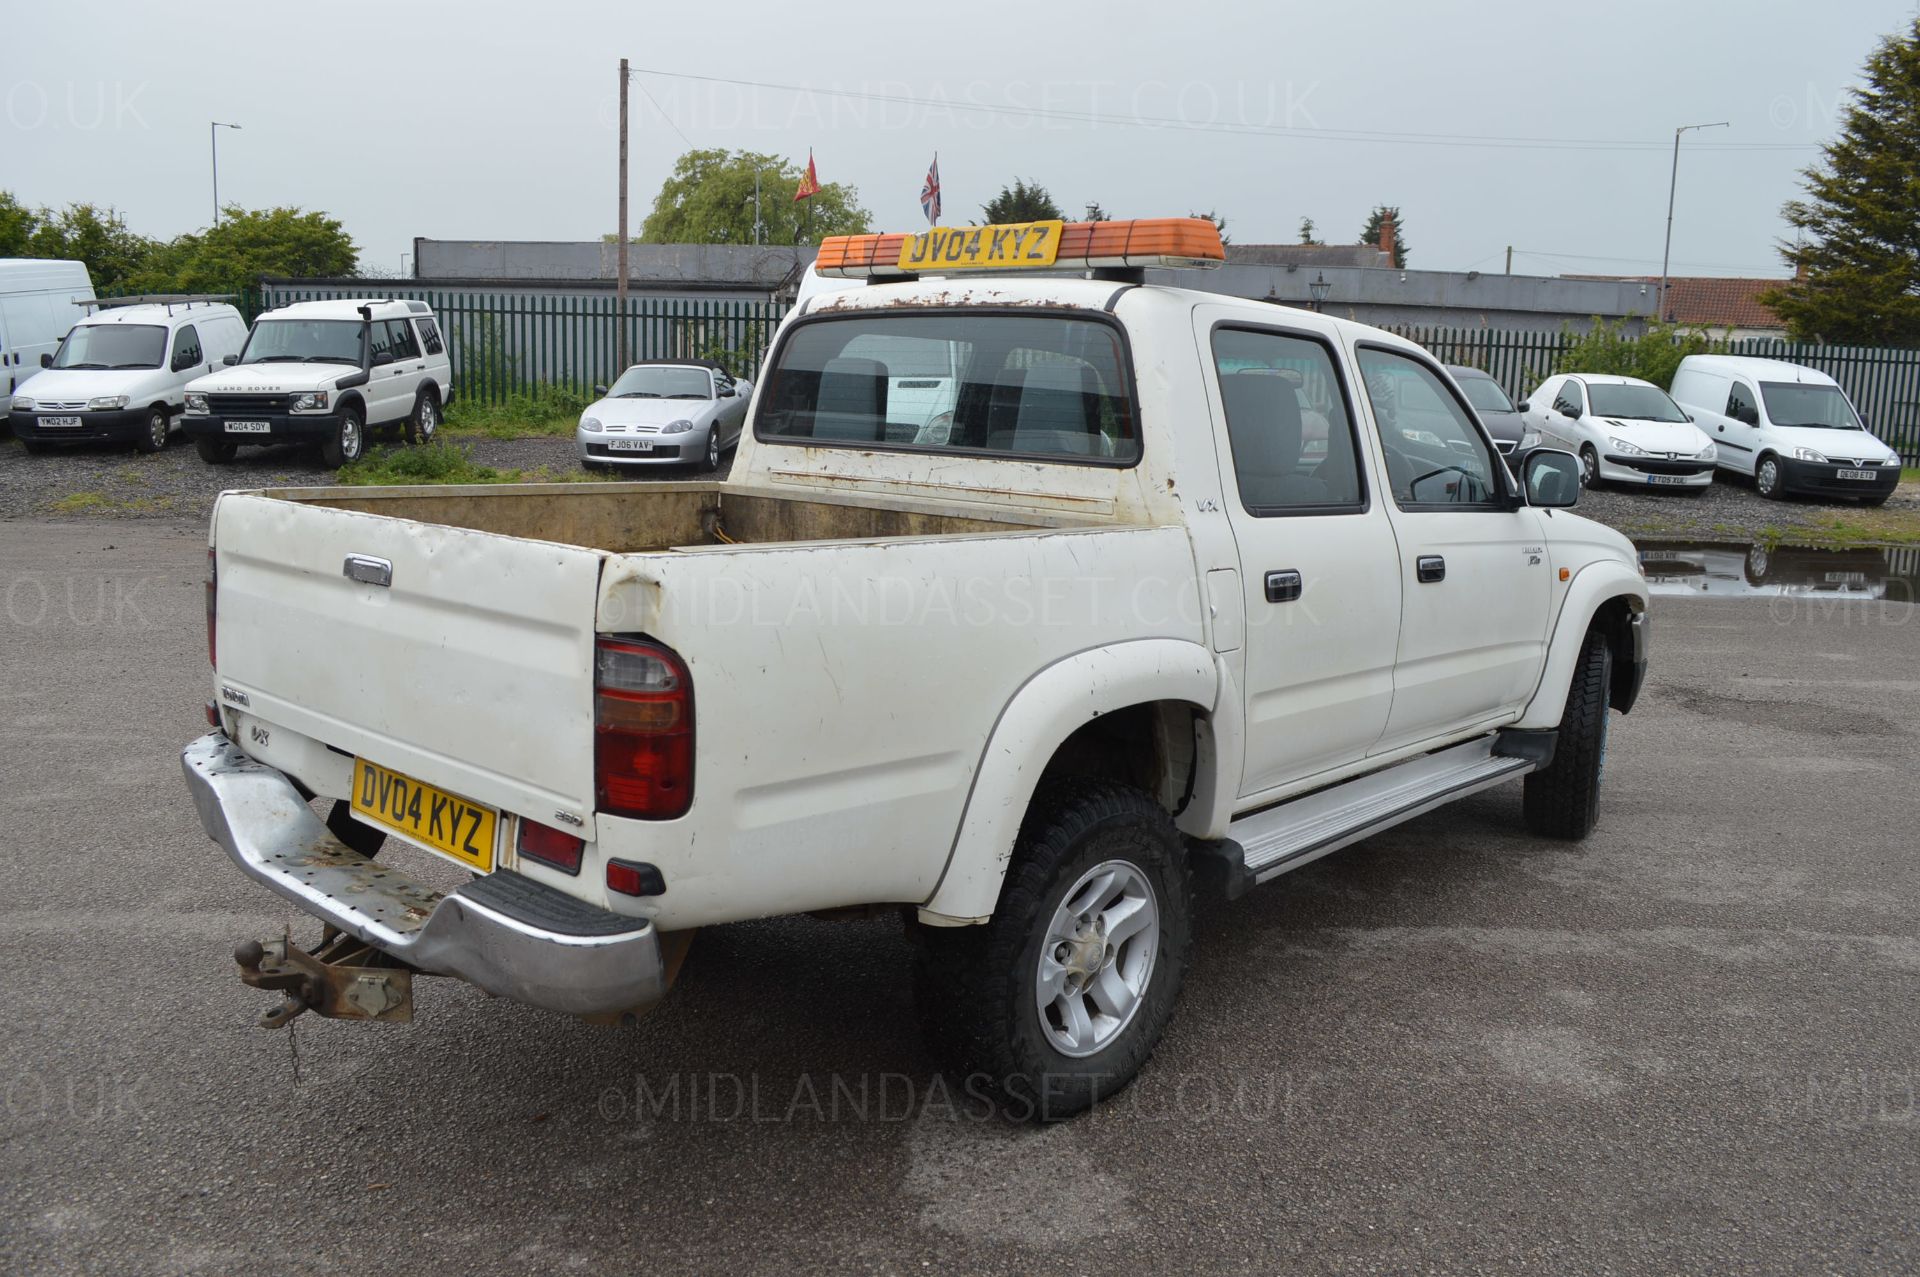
631 518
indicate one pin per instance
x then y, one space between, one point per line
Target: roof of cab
1073 292
1611 379
349 308
1755 366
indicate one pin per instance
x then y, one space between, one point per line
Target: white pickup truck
1123 617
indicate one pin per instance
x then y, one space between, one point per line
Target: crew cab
1113 628
325 373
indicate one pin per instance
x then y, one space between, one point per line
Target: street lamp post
1319 288
213 143
1673 184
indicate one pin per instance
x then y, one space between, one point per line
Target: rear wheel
1060 999
425 419
1562 800
348 441
1768 480
215 452
154 437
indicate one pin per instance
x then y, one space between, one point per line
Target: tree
1219 223
247 244
1370 233
17 222
1307 232
709 200
1653 356
1024 201
80 232
1860 258
1095 213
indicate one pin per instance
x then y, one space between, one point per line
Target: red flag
810 183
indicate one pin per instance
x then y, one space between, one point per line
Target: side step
1268 843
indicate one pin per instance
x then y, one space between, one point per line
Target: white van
1791 428
121 375
39 300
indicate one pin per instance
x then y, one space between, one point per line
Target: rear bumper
1630 675
306 427
120 426
507 934
1823 479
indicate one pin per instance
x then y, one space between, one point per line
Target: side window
1436 458
1740 405
430 336
186 348
379 339
1287 422
1571 399
404 346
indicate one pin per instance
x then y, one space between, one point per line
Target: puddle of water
1753 571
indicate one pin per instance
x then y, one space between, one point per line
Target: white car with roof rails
120 375
1119 623
327 374
1624 430
1789 428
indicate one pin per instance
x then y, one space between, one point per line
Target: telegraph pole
620 254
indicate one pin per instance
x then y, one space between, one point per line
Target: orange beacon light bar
1050 245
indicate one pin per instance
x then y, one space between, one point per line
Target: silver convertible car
664 412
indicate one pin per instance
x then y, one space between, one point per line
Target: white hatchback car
1624 430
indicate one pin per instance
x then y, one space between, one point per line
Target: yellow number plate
1020 244
431 817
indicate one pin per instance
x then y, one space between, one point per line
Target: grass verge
441 462
548 412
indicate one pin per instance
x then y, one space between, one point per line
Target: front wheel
711 461
348 440
1767 478
1058 1001
1562 799
215 452
154 437
1589 466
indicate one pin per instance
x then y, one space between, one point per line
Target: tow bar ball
342 979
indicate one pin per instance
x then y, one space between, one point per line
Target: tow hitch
344 978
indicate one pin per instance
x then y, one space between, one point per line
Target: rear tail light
643 730
551 847
213 586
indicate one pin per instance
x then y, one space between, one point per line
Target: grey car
1503 421
664 412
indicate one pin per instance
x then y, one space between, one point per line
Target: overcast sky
488 120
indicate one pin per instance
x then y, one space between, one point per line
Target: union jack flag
930 193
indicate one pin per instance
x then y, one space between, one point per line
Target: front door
1317 552
1476 581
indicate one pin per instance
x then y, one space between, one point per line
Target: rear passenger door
1319 594
1475 580
409 367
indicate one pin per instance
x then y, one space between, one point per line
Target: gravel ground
112 482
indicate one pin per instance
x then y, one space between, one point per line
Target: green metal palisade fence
509 342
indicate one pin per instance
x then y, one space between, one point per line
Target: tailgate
471 670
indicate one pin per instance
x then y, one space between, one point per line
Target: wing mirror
46 360
599 392
1551 478
229 360
1573 412
1523 406
382 359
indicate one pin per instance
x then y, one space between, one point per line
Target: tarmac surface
1691 1043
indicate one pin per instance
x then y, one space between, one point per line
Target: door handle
1430 568
1283 586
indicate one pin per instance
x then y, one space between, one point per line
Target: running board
1280 839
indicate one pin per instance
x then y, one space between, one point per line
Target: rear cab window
1045 386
